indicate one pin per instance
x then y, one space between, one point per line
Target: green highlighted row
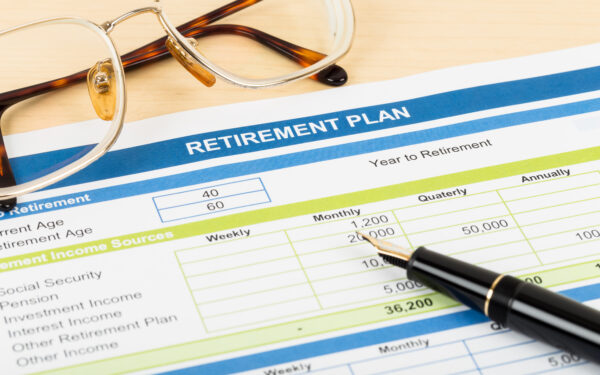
564 275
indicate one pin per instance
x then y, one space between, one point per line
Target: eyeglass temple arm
151 52
156 50
9 98
332 76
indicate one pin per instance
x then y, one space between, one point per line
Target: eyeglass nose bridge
102 88
189 63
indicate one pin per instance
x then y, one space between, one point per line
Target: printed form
223 240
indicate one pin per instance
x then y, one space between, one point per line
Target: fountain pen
516 304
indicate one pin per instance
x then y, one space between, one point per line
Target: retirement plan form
236 250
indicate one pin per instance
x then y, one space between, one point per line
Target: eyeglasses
58 47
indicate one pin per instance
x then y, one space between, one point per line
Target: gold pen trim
490 294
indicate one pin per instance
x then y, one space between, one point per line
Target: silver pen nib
388 248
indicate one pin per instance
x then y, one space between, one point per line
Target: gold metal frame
117 122
342 26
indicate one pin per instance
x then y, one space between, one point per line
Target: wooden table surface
394 38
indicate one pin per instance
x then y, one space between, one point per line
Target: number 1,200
369 221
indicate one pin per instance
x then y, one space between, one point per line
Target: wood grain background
394 38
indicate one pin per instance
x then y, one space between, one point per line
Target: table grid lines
553 179
238 267
471 236
486 247
263 321
238 282
352 273
561 262
402 229
396 358
411 295
556 205
520 360
432 243
448 212
520 229
462 223
377 283
229 254
335 247
249 294
560 218
552 192
258 307
187 283
471 355
340 270
502 258
558 369
222 242
567 231
303 270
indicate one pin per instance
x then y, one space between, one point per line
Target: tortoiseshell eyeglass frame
315 65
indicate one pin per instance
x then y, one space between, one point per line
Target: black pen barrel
547 316
521 306
462 281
